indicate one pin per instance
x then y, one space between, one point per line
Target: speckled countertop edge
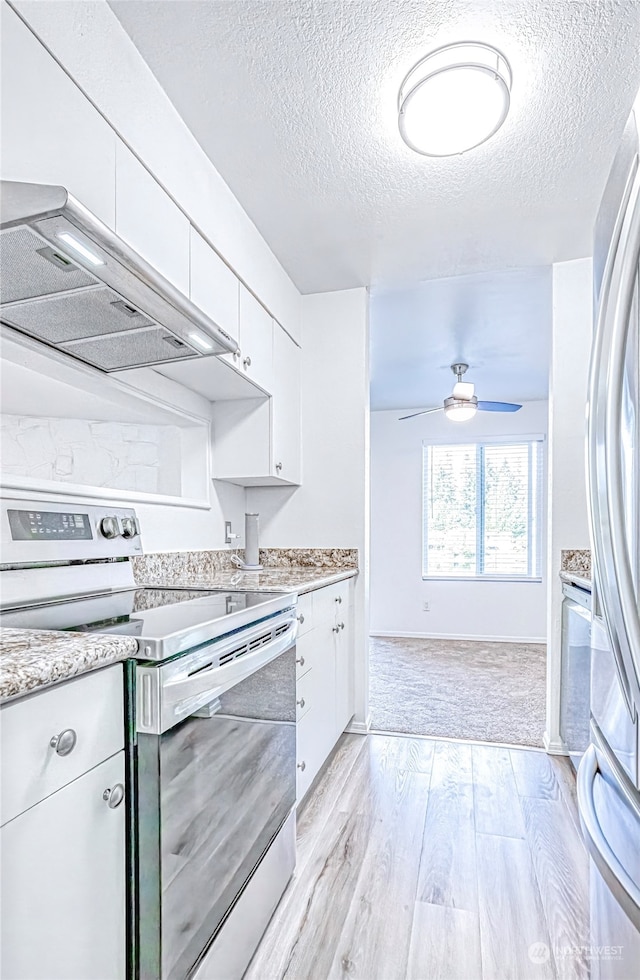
32 660
299 580
572 578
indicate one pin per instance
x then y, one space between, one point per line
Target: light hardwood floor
433 860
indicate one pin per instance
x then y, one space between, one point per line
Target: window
482 510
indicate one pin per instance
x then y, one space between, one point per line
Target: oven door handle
168 694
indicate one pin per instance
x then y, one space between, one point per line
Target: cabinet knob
335 629
302 766
114 796
300 660
341 626
300 618
65 742
236 354
247 362
338 598
278 466
301 702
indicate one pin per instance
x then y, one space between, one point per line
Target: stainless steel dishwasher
575 687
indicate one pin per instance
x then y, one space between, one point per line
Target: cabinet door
286 407
344 682
214 286
149 221
51 134
63 884
256 341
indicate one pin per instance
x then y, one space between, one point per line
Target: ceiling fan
462 404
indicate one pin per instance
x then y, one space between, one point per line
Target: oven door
213 789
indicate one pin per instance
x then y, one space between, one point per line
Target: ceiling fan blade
498 407
427 411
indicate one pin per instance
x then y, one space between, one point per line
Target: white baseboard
554 746
359 727
459 636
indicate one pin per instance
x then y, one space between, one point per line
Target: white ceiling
294 102
499 324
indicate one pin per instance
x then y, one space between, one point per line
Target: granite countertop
298 580
33 659
575 567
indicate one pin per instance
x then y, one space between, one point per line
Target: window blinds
482 510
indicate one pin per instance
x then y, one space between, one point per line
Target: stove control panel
44 525
37 531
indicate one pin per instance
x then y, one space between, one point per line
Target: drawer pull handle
65 742
300 660
247 362
278 467
113 797
301 702
301 618
302 766
338 598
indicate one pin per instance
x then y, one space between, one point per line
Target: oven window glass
212 794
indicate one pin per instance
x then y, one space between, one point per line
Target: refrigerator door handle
602 445
624 278
622 887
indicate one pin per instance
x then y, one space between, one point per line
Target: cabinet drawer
331 602
91 705
304 695
305 613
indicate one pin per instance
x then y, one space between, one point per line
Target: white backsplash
118 455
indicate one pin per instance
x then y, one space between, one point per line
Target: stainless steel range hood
70 282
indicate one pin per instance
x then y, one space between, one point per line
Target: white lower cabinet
63 878
64 883
324 665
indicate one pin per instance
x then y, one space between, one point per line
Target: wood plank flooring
431 860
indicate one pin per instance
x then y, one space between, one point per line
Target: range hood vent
68 281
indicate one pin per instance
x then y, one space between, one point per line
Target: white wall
331 508
487 610
568 515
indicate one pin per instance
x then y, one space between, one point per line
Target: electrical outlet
426 607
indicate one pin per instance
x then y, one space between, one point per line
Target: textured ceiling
497 323
294 102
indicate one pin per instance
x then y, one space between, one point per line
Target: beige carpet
493 692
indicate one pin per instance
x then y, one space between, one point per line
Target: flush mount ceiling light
454 99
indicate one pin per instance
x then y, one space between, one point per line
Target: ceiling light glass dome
454 99
460 409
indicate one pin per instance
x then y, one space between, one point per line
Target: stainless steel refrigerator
609 773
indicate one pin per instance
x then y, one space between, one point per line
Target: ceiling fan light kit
460 409
454 99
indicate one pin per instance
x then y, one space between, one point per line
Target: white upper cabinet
256 341
149 221
257 440
286 407
51 134
214 287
